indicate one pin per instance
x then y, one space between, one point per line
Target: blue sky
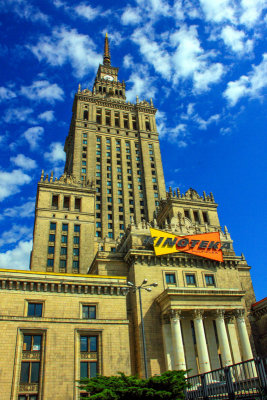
204 63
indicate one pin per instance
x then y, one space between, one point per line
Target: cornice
145 256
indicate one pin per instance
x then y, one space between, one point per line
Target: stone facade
73 314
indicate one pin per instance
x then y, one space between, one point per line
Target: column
243 335
212 343
233 340
177 341
223 339
189 347
202 349
250 368
167 342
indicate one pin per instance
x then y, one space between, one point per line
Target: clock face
108 78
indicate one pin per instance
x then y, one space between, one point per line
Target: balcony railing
246 380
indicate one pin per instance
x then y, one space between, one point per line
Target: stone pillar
202 349
223 339
243 335
167 343
177 341
233 340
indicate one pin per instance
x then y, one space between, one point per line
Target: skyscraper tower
113 174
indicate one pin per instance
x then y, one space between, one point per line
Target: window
118 169
196 217
170 278
50 262
76 252
55 201
187 214
63 264
88 369
65 227
85 115
52 237
77 204
109 216
120 200
109 225
75 264
35 309
154 180
98 139
109 191
190 279
109 199
122 227
156 195
66 202
110 235
130 186
210 281
205 217
84 163
76 228
51 249
119 184
83 170
84 141
120 192
76 239
98 224
63 251
150 146
29 372
64 239
32 342
88 312
53 226
84 134
120 209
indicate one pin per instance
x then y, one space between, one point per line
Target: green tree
168 386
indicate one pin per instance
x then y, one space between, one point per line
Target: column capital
219 314
230 318
175 315
198 314
240 314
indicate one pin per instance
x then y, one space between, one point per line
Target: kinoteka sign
207 245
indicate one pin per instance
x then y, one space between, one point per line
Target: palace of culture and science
107 221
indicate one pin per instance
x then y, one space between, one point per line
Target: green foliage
168 386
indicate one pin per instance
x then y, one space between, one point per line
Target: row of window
88 311
170 279
119 122
195 215
65 227
66 202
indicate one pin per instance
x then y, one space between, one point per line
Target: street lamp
144 285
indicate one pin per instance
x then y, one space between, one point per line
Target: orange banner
207 245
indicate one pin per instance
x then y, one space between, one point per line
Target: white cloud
15 115
128 61
26 210
155 8
251 11
190 60
218 10
142 83
87 12
68 46
153 53
23 9
250 85
47 116
33 135
10 182
6 94
203 124
235 40
131 16
43 90
56 153
207 76
23 162
17 258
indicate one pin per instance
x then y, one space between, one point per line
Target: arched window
85 115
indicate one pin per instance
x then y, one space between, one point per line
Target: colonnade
178 351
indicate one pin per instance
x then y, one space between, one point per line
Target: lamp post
145 286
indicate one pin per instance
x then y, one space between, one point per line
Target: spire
106 58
